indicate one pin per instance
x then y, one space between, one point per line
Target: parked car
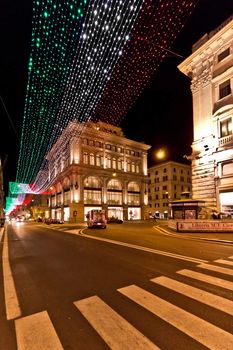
114 220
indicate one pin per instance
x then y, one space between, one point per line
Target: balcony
225 140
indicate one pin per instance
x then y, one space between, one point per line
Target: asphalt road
129 286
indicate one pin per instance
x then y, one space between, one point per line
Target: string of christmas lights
157 27
89 59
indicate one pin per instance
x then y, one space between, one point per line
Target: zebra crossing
119 334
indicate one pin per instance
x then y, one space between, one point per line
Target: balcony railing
225 140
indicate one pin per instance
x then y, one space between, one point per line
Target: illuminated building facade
93 166
166 183
210 67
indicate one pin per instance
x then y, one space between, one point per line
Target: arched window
92 182
66 184
133 187
114 185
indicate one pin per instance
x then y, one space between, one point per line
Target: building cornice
210 44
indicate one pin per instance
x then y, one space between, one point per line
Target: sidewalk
223 237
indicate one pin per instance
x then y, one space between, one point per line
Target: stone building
97 168
210 68
166 183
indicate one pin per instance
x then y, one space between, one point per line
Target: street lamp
161 154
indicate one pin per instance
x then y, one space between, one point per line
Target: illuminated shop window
226 127
224 89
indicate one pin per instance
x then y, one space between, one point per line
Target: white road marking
1 234
200 295
36 332
224 262
202 331
145 249
113 328
206 278
11 300
220 269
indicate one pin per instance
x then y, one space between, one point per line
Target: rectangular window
165 188
66 197
134 199
165 178
223 54
92 196
114 198
224 89
227 169
174 177
226 127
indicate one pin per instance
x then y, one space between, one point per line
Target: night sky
162 115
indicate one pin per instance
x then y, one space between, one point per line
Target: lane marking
1 233
36 332
202 331
223 270
183 235
206 278
11 300
197 294
224 262
145 249
114 329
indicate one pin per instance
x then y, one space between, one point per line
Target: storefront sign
211 226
